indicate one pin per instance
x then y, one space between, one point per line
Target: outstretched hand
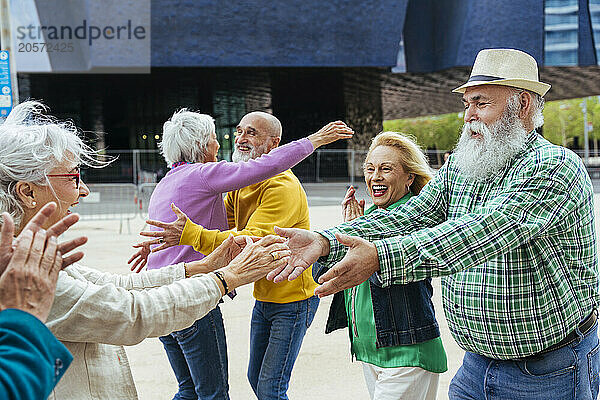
256 260
306 248
359 263
140 258
330 133
168 237
228 250
34 225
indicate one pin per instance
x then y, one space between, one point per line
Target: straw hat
507 67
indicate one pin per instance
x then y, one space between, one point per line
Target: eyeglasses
250 133
77 177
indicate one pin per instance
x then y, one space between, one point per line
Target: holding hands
256 260
359 263
306 247
221 256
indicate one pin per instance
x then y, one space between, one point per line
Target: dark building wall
294 33
449 33
305 99
125 106
362 102
128 106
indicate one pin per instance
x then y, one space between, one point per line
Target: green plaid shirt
517 253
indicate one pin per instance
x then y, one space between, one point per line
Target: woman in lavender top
196 183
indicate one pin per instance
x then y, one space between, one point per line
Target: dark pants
276 334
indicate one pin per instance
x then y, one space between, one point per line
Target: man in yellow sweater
282 311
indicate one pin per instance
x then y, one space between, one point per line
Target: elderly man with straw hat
508 223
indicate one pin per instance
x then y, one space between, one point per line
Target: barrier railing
144 193
110 201
135 173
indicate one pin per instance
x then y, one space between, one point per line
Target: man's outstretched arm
552 200
427 209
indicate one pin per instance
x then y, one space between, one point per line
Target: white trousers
410 383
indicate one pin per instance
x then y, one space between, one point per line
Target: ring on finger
275 255
161 240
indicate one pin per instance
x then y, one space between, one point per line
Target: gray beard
255 152
481 159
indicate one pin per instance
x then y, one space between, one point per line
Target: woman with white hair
94 314
392 330
196 183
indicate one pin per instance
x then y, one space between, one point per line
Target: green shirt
517 251
429 355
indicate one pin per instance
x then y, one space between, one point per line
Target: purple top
197 189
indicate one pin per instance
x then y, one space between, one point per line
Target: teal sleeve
32 360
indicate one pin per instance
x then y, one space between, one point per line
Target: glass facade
595 17
561 29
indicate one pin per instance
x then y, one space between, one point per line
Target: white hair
185 137
537 115
537 106
480 159
31 145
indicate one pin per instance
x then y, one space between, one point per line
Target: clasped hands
305 247
359 263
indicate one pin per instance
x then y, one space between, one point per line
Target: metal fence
110 201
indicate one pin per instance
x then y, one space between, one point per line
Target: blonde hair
412 158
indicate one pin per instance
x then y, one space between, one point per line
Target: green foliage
439 132
563 125
563 122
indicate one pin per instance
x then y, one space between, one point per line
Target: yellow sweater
255 210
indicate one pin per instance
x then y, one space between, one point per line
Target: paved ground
323 369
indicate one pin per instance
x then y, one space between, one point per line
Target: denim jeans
276 334
198 356
570 372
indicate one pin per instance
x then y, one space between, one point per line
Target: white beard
480 159
255 152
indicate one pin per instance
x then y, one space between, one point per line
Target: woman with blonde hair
392 330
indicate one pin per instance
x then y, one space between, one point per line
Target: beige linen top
95 314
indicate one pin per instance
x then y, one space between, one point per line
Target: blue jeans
198 356
570 372
276 334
